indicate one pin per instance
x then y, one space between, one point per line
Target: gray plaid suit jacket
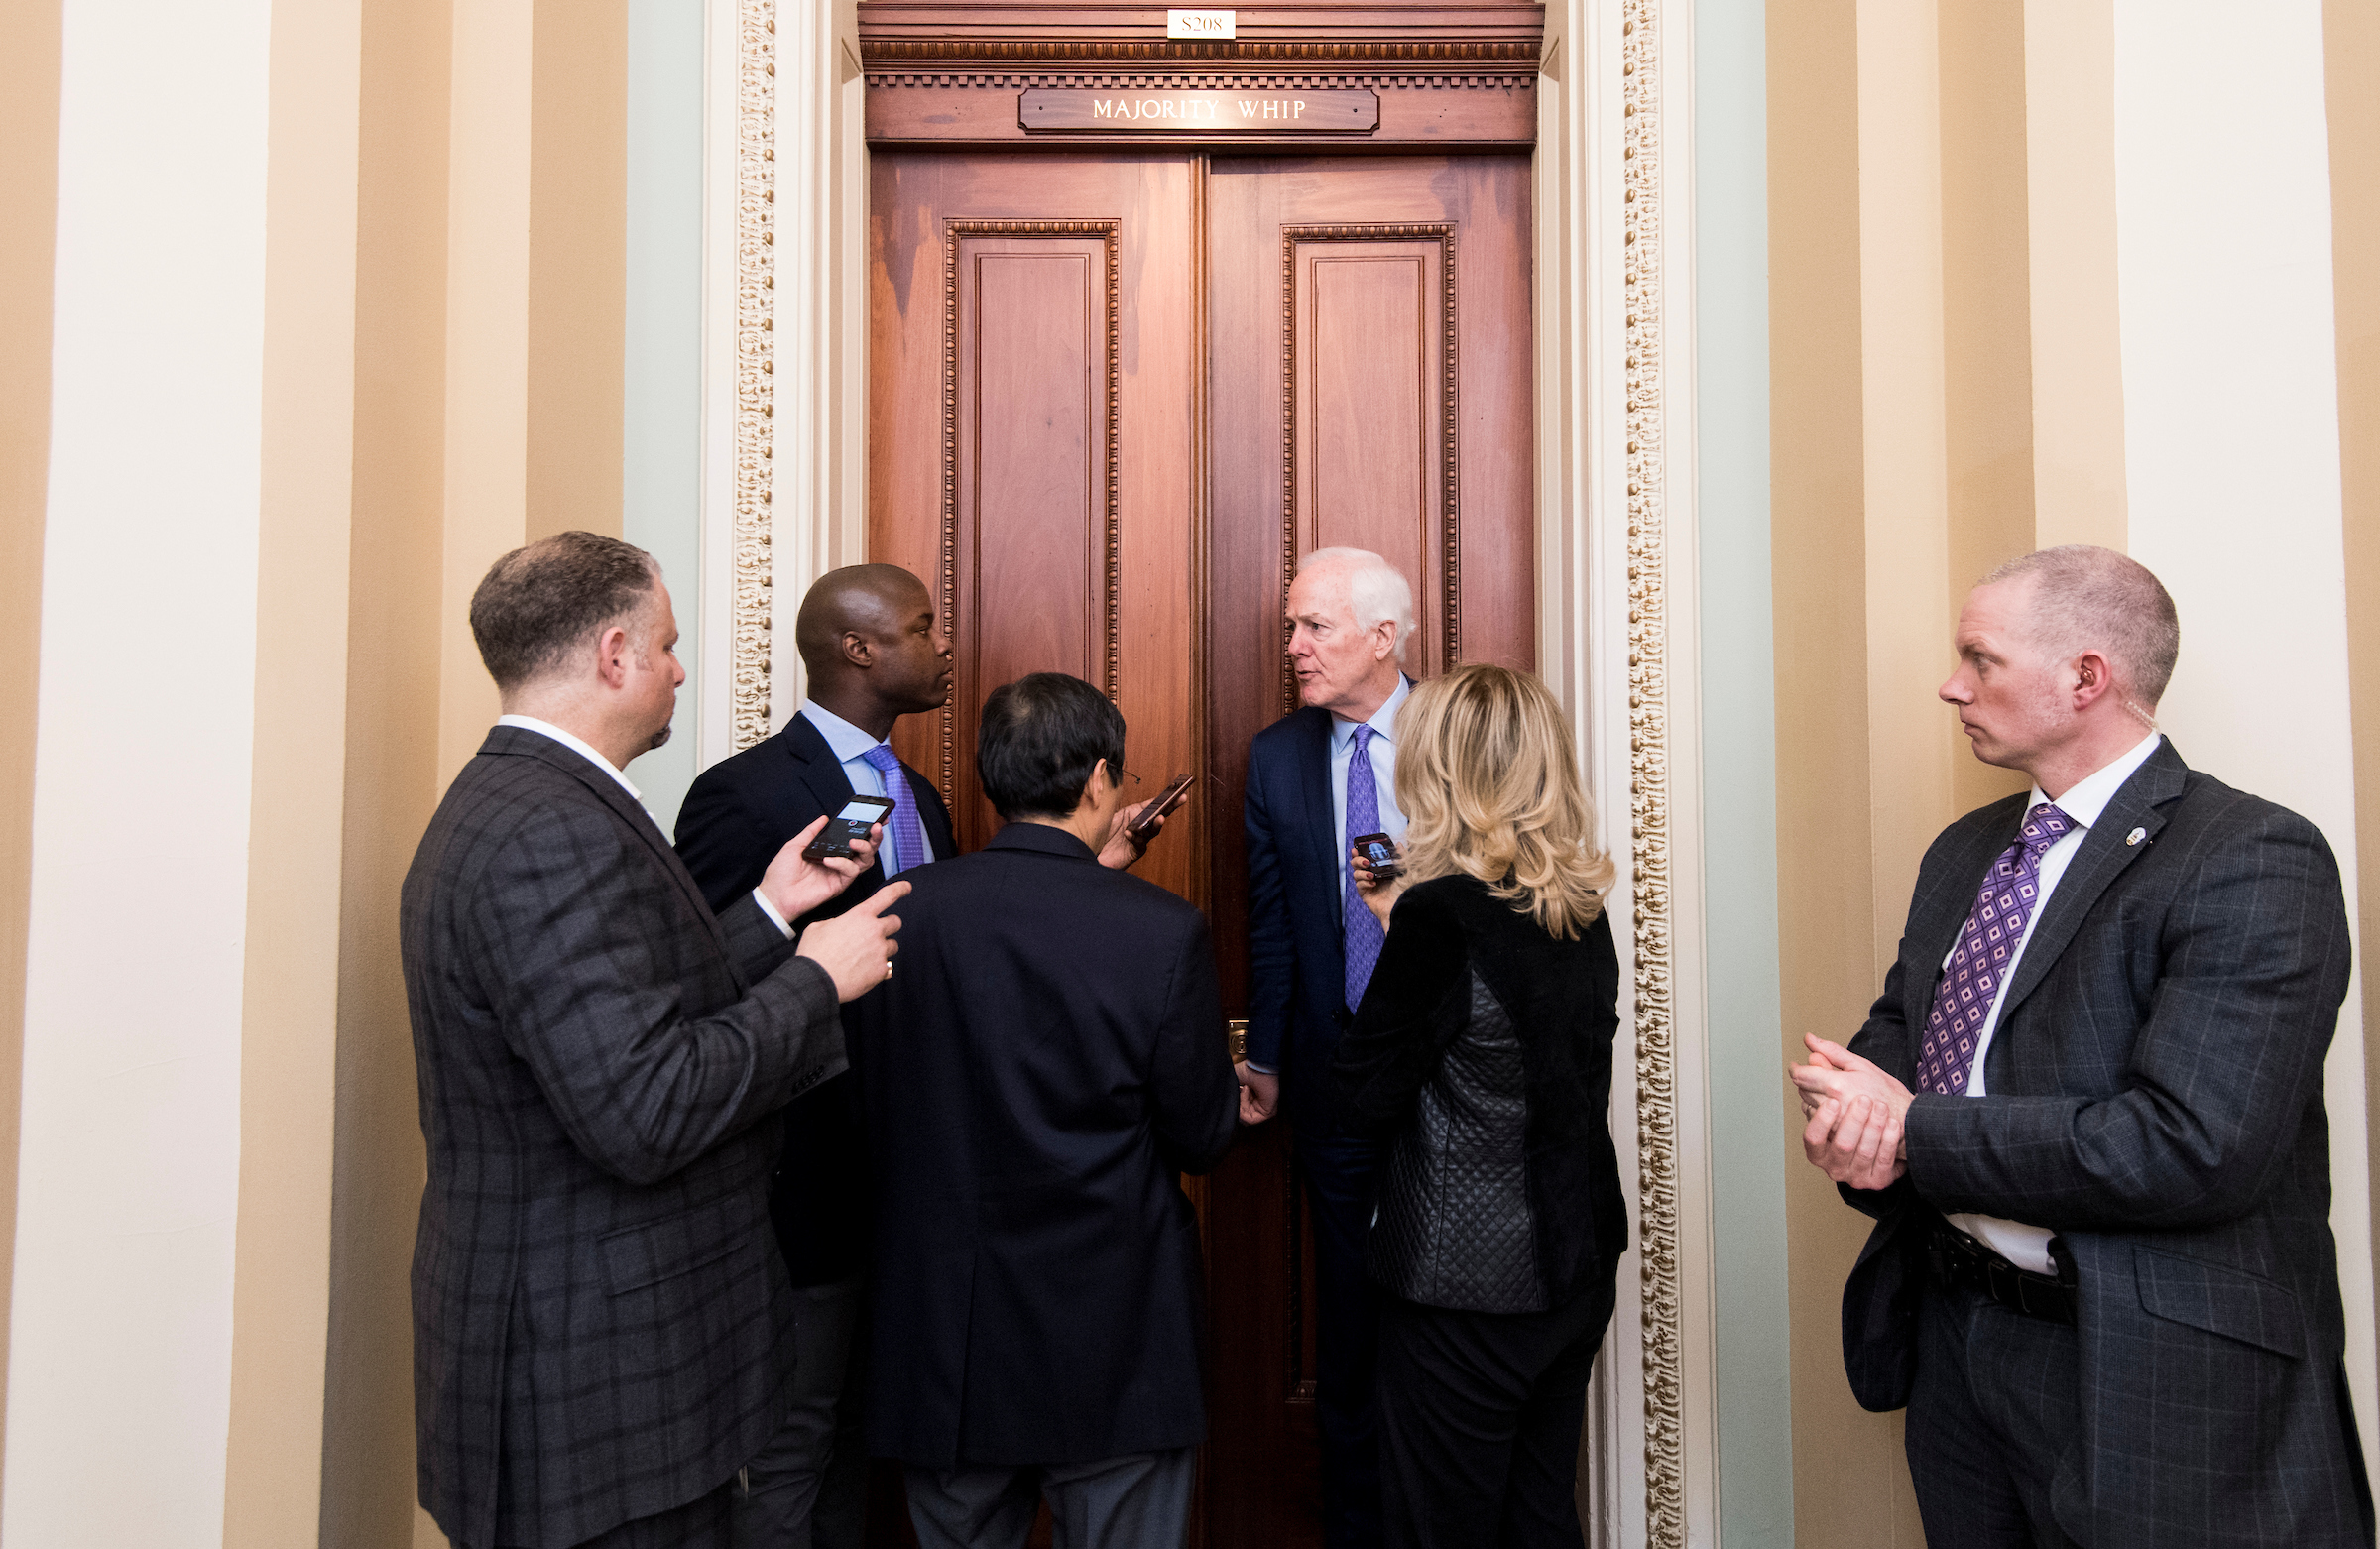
2157 1081
597 1307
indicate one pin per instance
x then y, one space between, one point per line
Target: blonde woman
1482 1052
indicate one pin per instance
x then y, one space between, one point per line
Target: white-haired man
1319 775
2087 1114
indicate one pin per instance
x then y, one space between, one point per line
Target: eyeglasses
1124 774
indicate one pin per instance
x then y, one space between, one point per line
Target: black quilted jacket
1483 1049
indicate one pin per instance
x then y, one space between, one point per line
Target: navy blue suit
738 814
1297 1009
1045 1062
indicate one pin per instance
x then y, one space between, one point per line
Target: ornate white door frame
784 499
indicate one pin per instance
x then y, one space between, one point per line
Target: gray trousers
1996 1409
806 1488
1138 1502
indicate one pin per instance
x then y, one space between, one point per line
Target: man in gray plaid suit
2087 1114
598 1306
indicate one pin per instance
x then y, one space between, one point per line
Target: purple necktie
1995 928
909 840
1364 935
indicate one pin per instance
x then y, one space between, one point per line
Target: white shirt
2028 1247
851 746
1382 753
583 749
586 751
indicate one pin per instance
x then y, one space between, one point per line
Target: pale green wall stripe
1740 793
661 446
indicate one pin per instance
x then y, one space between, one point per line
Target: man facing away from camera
2086 1112
599 1318
1048 1058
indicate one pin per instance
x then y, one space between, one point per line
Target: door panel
1368 350
1113 398
1030 447
1372 354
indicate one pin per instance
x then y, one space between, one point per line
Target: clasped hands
1857 1114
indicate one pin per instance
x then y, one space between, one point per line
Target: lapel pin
2136 836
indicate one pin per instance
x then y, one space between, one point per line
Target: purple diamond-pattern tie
1995 928
909 840
1363 934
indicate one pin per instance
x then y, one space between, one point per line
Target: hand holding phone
847 827
1143 827
1379 853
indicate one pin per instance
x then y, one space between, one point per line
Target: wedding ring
887 968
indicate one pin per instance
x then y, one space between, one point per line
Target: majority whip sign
1201 112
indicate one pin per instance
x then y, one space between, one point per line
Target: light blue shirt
1382 753
849 745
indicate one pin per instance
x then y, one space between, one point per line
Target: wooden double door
1114 395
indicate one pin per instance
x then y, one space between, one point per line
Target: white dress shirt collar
1383 720
2089 795
584 750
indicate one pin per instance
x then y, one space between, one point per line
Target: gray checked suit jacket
2157 1081
597 1302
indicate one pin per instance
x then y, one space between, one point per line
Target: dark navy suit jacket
1297 963
739 813
1047 1059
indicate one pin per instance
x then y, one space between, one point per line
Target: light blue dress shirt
849 745
1384 770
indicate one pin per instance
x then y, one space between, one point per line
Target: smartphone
1381 851
847 828
1140 829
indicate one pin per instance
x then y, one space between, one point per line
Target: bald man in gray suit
2087 1114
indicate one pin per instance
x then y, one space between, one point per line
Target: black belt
1958 1260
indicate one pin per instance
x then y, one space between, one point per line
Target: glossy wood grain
1031 448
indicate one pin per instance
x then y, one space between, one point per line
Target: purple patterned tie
1363 934
909 840
1995 928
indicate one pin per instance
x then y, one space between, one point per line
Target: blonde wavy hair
1489 788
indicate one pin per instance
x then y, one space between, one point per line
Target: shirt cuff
770 909
1262 1070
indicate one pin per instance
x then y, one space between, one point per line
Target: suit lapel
2097 864
816 767
1942 910
630 811
821 774
1322 821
